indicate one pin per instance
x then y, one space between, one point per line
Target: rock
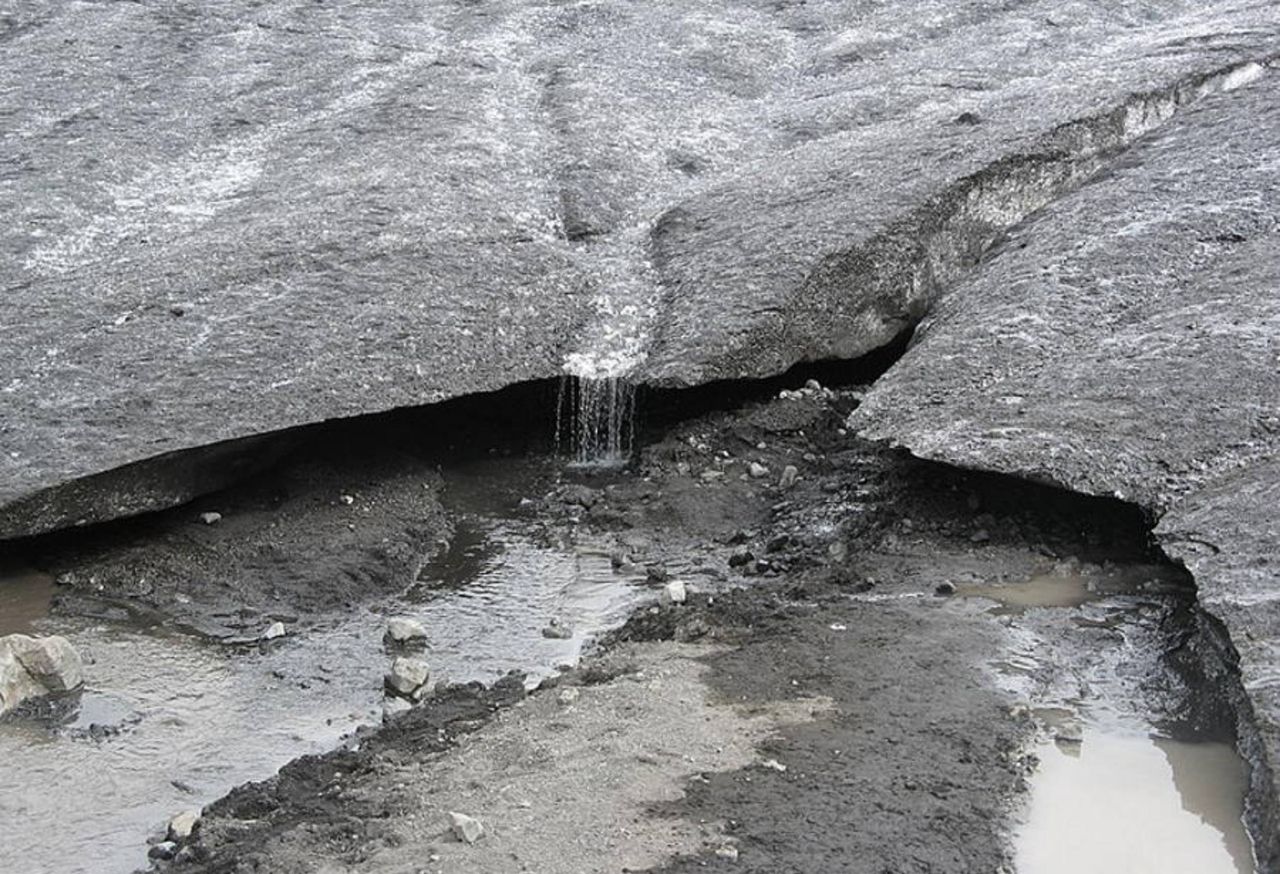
346 500
789 475
576 495
620 558
944 588
674 592
741 557
274 630
774 765
465 828
757 470
31 667
394 706
557 630
656 573
728 852
712 475
982 535
181 826
211 518
163 851
408 677
568 696
402 630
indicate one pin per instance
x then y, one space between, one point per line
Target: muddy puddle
1119 784
169 722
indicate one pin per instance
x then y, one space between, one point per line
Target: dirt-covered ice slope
1126 342
225 220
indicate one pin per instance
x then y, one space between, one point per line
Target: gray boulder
34 666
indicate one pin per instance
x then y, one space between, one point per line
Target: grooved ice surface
223 220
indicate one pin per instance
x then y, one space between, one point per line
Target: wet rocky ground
850 685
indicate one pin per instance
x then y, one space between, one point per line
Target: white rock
557 630
408 676
729 852
813 385
347 500
35 666
774 765
757 470
181 826
274 630
211 518
789 476
465 828
674 592
403 630
568 696
394 707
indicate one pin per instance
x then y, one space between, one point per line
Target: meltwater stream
169 722
596 420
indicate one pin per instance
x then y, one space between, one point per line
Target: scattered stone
980 536
394 706
675 592
211 518
728 852
182 825
408 677
557 630
741 557
31 667
347 500
789 476
403 631
568 696
774 765
762 446
944 588
757 470
274 630
465 828
838 626
163 851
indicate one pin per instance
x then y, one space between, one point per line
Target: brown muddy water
168 722
1112 790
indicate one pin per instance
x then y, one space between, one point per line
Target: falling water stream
595 420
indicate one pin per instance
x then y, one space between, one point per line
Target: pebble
757 470
568 696
182 825
728 852
774 765
347 500
946 587
789 476
408 676
274 630
393 707
741 557
402 630
675 592
465 828
211 518
656 573
163 851
557 630
712 475
980 536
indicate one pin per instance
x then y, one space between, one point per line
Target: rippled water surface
187 719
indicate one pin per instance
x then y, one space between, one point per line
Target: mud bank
816 678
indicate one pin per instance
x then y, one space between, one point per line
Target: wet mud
940 616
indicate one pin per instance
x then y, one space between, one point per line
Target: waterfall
595 420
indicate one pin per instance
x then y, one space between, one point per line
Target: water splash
595 420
